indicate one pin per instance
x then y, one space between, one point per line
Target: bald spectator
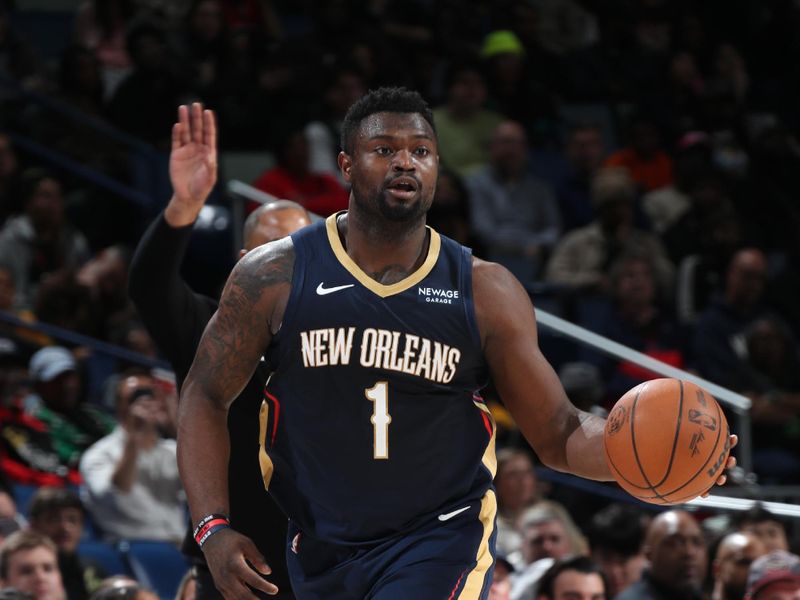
735 553
29 563
514 214
273 221
774 576
576 578
581 260
676 551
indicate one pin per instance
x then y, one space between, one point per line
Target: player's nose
403 161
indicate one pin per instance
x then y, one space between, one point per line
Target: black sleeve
173 314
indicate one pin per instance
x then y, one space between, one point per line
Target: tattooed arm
250 312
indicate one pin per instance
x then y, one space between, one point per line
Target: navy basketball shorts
450 557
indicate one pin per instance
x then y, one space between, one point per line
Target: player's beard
376 202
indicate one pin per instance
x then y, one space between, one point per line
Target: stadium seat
158 565
107 556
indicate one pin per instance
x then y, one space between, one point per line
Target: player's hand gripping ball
667 441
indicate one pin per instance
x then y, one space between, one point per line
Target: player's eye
383 151
422 151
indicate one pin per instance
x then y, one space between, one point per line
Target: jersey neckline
368 282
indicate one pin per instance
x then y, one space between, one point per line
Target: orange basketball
666 441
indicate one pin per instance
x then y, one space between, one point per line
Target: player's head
29 562
675 547
390 155
735 553
576 578
272 221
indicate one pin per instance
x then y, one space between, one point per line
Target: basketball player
176 316
373 437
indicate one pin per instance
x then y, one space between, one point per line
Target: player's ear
345 164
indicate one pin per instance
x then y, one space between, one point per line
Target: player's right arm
250 312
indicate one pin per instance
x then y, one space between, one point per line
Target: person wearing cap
57 401
774 576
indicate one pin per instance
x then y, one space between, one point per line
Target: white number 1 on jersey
380 419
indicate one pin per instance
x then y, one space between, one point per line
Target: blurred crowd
634 163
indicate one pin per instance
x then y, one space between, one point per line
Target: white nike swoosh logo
450 515
322 291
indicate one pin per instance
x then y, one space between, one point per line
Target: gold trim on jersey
264 461
368 282
477 577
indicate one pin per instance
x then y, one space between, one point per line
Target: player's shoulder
498 296
491 277
266 266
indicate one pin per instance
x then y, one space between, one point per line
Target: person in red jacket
292 178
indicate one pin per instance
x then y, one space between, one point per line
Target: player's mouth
403 188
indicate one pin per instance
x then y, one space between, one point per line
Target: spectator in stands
517 87
634 316
344 86
204 45
40 241
616 539
765 526
16 344
59 514
576 578
450 213
501 579
144 103
649 165
105 278
514 214
774 576
292 178
132 487
581 259
676 551
100 25
72 424
9 179
10 519
517 491
17 57
29 563
718 333
123 588
735 553
464 127
549 534
585 152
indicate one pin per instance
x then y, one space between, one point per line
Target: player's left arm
564 437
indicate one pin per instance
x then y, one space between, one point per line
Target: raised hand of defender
237 566
192 163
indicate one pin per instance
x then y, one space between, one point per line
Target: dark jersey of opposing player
371 422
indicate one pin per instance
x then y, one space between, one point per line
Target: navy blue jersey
372 422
